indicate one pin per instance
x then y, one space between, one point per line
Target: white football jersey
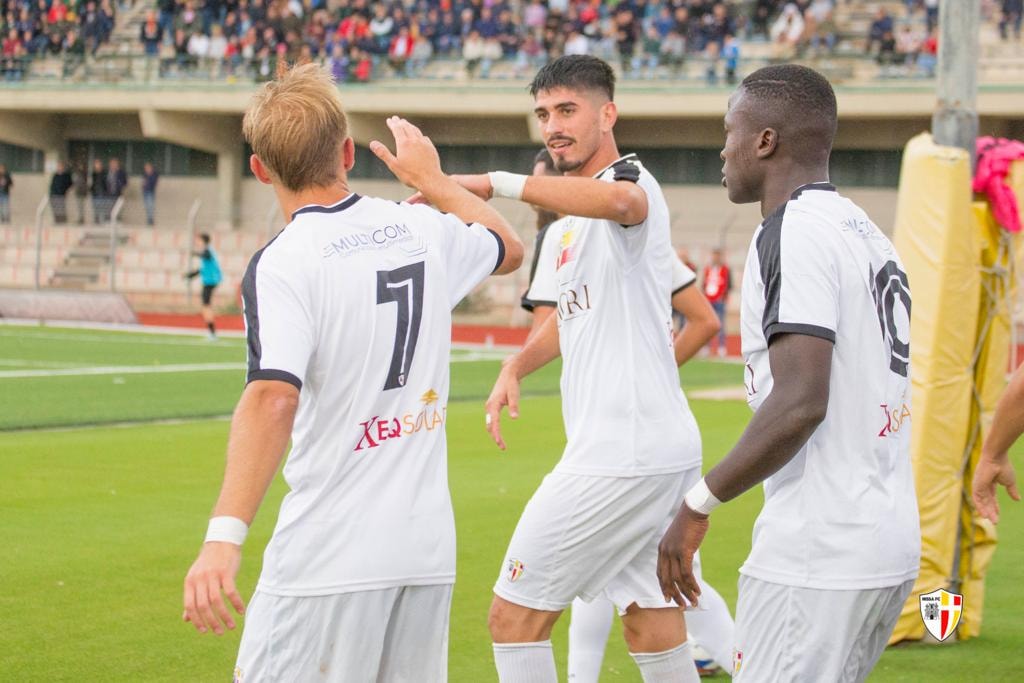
543 287
624 412
682 276
352 304
842 513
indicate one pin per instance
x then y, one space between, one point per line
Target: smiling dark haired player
825 320
633 447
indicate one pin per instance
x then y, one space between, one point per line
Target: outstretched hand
415 161
675 556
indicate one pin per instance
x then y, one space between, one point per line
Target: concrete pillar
32 129
214 133
229 186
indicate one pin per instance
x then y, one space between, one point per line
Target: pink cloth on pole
994 158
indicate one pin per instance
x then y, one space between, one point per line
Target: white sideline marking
23 363
122 370
112 339
735 393
83 371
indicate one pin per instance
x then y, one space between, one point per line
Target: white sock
672 666
588 635
712 626
525 662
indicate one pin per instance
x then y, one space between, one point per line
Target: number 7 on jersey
403 286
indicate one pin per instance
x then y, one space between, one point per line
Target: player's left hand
212 574
675 556
504 393
989 472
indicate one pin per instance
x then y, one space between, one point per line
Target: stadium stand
152 77
362 40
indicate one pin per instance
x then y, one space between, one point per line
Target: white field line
84 371
117 327
733 393
23 363
122 370
74 337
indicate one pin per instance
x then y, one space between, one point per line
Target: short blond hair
296 126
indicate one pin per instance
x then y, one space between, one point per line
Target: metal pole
40 212
955 121
115 216
193 214
272 223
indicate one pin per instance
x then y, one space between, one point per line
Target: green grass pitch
100 524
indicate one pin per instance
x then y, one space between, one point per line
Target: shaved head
797 102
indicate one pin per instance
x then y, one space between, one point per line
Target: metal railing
193 216
175 71
272 222
115 219
40 214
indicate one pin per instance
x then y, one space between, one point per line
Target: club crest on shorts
941 612
737 661
237 677
515 570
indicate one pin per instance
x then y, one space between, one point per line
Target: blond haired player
348 316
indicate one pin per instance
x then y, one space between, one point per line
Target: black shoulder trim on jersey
686 286
799 328
826 187
340 206
250 304
625 169
628 157
530 304
769 257
501 250
275 375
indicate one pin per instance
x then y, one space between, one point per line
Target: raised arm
417 164
621 201
797 404
260 429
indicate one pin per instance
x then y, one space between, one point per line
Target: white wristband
227 530
507 185
700 499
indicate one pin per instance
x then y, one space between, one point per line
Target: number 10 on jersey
404 287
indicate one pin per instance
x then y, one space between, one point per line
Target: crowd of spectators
55 28
358 39
355 38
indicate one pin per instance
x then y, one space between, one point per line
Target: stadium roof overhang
208 118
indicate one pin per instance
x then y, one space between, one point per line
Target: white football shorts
393 635
591 536
785 633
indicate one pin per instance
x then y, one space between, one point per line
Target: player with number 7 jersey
348 316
